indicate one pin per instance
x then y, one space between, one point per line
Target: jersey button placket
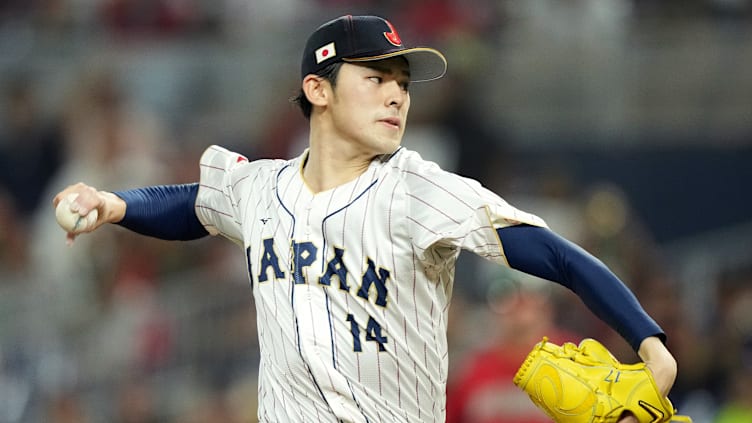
308 209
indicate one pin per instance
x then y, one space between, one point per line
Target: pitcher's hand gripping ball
587 384
70 219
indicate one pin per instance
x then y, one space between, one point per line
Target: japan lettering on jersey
352 285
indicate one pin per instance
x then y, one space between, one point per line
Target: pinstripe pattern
406 219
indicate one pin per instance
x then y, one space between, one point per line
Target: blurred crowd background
626 124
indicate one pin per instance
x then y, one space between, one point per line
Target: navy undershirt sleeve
164 212
541 252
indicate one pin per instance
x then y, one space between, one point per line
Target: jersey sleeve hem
215 205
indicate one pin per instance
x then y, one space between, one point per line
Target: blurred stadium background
627 124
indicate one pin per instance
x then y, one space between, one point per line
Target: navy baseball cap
366 38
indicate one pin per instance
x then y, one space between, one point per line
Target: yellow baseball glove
587 384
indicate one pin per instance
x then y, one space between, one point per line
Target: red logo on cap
392 36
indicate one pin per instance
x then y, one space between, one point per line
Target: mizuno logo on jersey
265 219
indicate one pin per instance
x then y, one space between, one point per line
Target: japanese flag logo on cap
325 52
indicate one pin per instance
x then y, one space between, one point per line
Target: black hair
329 73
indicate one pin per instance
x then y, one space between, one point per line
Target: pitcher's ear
314 88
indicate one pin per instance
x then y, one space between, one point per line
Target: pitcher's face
370 102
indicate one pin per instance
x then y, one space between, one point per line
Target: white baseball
71 220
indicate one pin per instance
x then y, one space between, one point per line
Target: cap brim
426 64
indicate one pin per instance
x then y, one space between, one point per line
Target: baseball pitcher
351 246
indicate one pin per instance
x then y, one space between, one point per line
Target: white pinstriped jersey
352 285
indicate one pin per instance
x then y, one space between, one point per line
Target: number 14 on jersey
373 333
